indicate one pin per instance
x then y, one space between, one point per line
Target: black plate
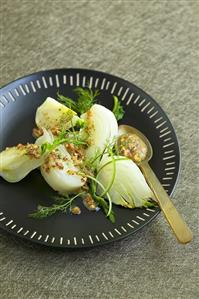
18 103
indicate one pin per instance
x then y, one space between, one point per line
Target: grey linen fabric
154 44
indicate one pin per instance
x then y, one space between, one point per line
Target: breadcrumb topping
32 150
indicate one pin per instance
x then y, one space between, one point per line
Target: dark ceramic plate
18 103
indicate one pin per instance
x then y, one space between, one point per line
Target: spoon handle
179 227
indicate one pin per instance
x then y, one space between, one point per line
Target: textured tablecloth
154 44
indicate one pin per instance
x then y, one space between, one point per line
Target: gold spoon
179 227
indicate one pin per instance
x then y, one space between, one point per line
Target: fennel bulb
129 187
17 161
60 173
101 129
51 114
58 169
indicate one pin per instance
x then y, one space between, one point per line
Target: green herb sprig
85 99
118 110
62 203
62 138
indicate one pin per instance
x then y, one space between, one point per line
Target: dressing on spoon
133 147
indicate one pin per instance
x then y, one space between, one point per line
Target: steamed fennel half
76 152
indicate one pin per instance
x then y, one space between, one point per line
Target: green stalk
103 188
113 176
107 194
109 162
98 156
